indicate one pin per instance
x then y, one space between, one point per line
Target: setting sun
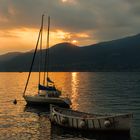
64 0
74 42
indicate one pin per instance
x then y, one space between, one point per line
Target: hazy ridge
117 55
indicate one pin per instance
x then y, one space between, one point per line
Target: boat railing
71 113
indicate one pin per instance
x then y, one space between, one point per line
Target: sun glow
82 35
64 0
71 2
74 42
61 35
24 39
18 40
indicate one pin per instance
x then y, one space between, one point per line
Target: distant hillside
117 55
9 56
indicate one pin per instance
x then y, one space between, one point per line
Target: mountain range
116 55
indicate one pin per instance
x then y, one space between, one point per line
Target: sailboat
47 92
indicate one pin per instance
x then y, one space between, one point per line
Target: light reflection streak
75 95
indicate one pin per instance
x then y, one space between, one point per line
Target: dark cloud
104 20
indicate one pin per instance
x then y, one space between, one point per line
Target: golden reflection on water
74 85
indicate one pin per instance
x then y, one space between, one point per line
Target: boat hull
87 134
46 101
91 134
75 120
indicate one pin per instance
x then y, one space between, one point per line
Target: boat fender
15 102
53 118
107 123
82 124
64 120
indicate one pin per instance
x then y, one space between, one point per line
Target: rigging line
46 66
48 47
33 59
40 53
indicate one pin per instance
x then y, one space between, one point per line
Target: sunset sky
82 22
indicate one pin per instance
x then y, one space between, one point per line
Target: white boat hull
46 101
85 121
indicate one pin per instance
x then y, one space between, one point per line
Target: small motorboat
85 121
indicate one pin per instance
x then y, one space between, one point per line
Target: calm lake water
101 92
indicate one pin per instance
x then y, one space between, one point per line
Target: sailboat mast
40 53
46 68
48 35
